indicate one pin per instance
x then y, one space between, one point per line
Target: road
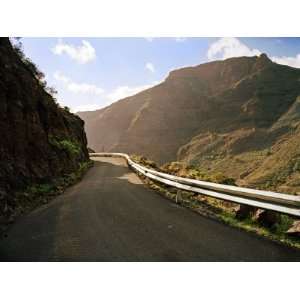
111 216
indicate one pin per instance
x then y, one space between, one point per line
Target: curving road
111 216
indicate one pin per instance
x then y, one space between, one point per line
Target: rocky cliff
39 141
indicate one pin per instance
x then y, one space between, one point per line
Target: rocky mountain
239 116
39 140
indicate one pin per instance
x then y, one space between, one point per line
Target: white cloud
149 66
60 77
230 47
86 107
288 60
233 47
149 39
78 88
84 88
126 91
116 94
176 39
180 39
82 54
94 96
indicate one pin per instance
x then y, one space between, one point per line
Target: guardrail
284 203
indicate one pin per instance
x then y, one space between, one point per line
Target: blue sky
91 73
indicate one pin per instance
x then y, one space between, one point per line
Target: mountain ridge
197 110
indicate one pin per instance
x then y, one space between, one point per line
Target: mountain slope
204 115
39 140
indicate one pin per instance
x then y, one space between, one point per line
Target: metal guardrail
284 203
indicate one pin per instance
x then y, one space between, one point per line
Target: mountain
237 116
40 141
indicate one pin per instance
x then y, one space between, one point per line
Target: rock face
295 229
232 116
39 140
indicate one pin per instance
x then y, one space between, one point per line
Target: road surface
111 216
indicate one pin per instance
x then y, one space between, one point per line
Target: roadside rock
268 218
295 229
245 211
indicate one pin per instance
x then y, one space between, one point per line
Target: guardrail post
178 196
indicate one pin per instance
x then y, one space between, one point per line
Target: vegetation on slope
37 194
41 143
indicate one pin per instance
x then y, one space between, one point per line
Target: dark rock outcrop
39 141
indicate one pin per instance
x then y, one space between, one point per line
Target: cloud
229 47
78 88
60 77
126 91
149 39
81 54
94 96
180 39
288 60
149 66
176 39
116 94
84 88
233 47
86 107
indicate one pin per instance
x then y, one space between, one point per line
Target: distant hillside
39 140
238 116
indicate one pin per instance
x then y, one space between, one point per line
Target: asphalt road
111 216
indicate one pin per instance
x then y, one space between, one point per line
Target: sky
91 73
